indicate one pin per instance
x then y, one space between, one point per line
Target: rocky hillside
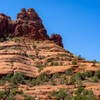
34 66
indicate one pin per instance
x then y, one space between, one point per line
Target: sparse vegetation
9 94
32 57
15 79
2 47
62 55
2 39
24 54
56 75
80 58
53 82
16 39
61 94
89 73
10 36
54 64
69 71
40 66
34 46
81 94
72 80
50 59
74 62
95 79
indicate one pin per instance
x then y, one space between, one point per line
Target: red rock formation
57 39
4 23
27 24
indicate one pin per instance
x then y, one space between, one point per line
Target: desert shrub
2 82
24 54
62 55
97 74
53 82
74 62
5 95
9 94
95 79
27 97
34 46
94 64
80 58
69 71
5 78
89 74
10 36
2 47
31 57
61 64
34 82
41 57
81 76
68 97
79 90
14 91
82 94
66 81
54 64
50 59
72 79
62 81
97 66
14 79
18 78
40 79
52 94
62 94
13 85
2 39
10 98
71 56
56 75
39 65
16 39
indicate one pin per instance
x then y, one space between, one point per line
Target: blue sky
78 21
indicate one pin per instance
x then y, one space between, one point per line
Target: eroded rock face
27 24
4 24
57 39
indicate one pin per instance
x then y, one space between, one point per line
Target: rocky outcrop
27 24
57 39
5 25
30 25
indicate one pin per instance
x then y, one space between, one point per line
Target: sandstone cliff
27 24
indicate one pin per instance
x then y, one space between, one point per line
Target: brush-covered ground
42 70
